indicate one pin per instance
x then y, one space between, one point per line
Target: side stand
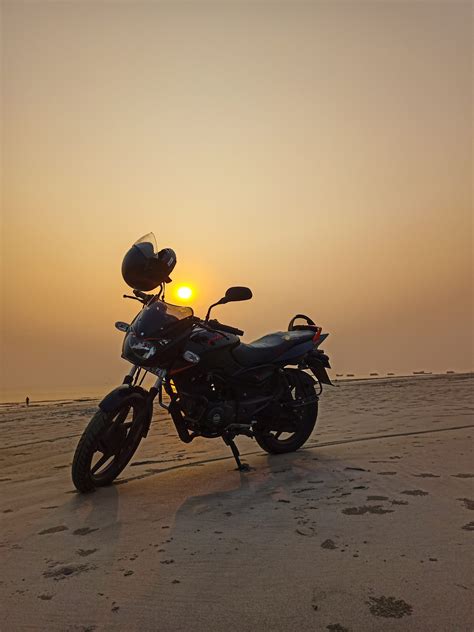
241 467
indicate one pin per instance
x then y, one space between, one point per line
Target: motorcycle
212 384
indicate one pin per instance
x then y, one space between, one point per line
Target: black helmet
143 268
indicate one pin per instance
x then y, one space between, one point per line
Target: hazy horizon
320 153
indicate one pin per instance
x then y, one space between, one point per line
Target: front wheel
300 412
107 445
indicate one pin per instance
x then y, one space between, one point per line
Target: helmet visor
147 243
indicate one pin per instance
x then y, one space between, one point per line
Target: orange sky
320 153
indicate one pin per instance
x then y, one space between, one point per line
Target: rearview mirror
233 294
237 294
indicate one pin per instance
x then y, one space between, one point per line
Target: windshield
158 317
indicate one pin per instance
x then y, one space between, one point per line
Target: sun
184 292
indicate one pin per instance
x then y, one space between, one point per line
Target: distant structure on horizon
349 374
418 372
373 374
450 371
390 373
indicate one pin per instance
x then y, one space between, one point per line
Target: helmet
143 268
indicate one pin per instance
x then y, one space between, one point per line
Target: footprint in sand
67 571
426 475
57 529
85 552
414 492
389 607
469 504
356 469
84 531
468 527
467 475
377 497
387 473
307 531
360 511
328 544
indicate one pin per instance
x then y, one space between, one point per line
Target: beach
369 527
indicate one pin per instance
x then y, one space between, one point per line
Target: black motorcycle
211 383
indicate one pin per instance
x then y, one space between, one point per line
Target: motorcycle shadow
232 525
271 477
174 533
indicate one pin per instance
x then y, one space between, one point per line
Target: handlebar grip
140 294
215 324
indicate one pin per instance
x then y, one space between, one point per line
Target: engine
220 414
210 404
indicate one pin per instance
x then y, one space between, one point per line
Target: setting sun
184 292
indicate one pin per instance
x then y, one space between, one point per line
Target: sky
317 152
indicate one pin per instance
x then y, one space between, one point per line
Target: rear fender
318 362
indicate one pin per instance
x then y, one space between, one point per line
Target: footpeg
243 429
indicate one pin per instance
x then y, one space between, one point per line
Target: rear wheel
106 446
300 412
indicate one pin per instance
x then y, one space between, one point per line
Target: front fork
128 379
131 379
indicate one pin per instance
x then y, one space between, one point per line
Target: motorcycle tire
113 436
300 386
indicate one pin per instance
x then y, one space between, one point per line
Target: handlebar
139 296
215 324
142 295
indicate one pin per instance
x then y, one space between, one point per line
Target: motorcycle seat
270 347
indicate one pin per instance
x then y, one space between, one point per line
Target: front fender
122 395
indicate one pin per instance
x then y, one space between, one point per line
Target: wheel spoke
103 459
278 434
122 415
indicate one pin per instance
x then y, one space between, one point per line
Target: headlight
144 349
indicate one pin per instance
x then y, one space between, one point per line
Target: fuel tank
213 349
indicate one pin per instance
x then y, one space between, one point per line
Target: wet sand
367 528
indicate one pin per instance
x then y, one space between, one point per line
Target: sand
367 528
